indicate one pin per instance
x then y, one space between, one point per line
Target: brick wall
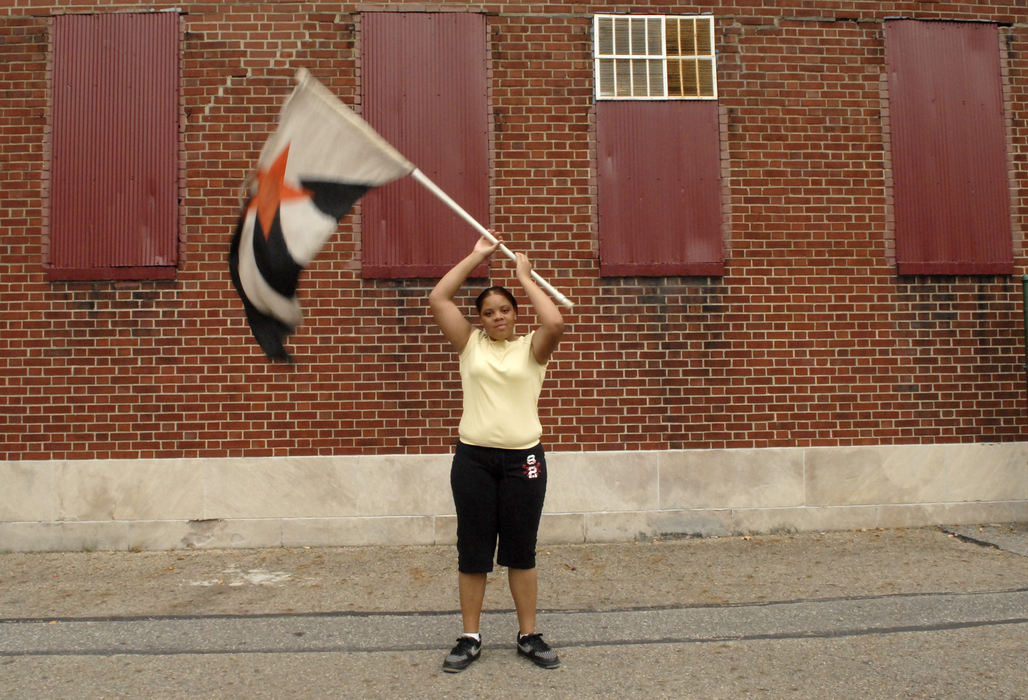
809 339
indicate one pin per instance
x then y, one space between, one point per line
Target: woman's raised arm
551 323
447 315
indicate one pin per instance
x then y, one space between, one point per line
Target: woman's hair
495 290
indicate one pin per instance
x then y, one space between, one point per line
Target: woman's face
498 316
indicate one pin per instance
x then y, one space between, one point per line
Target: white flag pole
434 189
303 76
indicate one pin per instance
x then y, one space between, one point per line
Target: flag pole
303 76
434 189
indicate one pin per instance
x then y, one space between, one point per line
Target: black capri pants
499 496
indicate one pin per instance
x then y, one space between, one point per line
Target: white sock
474 635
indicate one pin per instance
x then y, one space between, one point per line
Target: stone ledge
593 497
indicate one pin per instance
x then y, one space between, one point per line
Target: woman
498 476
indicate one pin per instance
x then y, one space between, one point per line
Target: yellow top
501 381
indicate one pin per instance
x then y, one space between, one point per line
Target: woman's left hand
524 267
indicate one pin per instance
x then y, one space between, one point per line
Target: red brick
810 338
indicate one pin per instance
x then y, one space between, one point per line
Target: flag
319 161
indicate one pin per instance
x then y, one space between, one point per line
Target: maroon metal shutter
114 162
425 90
659 170
949 162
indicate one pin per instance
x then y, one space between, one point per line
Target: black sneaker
533 647
460 657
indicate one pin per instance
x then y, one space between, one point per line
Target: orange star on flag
272 190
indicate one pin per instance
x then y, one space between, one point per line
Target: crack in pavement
349 632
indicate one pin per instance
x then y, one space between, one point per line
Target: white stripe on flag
328 141
257 290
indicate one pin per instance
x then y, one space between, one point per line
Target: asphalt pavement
919 613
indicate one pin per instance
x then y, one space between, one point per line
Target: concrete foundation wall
592 497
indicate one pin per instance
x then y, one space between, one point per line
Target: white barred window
640 57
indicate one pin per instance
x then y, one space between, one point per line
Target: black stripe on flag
334 198
276 264
269 332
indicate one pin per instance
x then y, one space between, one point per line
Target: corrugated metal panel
659 169
113 181
950 186
425 90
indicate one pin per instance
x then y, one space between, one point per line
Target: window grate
640 57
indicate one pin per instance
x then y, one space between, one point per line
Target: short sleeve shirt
501 382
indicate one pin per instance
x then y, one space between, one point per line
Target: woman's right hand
485 247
